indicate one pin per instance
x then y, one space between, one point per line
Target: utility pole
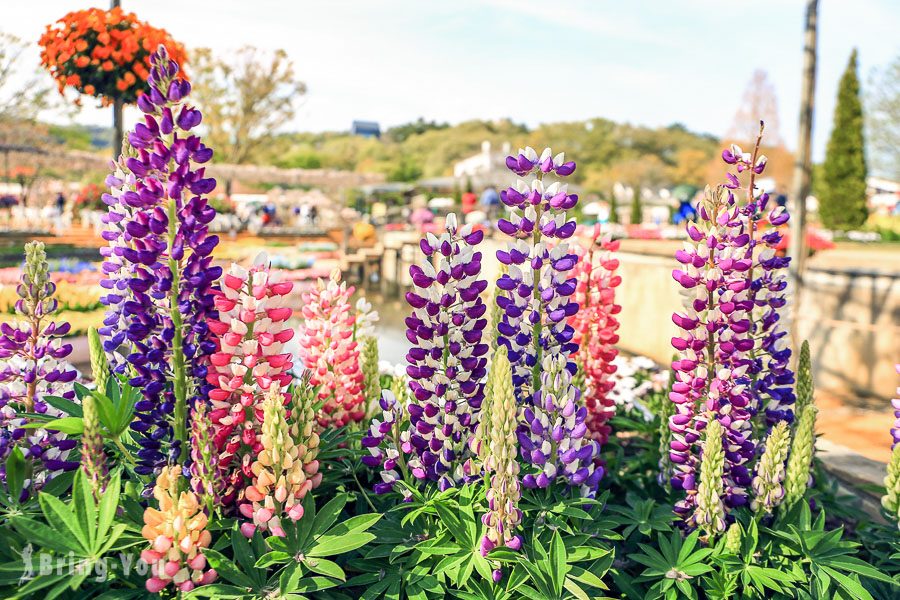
803 163
118 106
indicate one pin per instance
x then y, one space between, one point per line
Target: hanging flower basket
104 53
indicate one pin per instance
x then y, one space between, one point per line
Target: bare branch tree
246 98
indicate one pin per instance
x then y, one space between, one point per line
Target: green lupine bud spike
891 499
303 418
733 538
667 409
371 377
93 460
400 390
800 460
482 431
99 362
804 389
205 479
710 512
504 491
770 471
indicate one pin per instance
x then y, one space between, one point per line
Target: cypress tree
842 190
637 211
613 209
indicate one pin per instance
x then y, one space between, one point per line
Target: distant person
490 202
313 216
468 202
781 198
60 203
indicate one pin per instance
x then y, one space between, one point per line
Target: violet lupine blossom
33 365
734 362
387 441
536 297
710 377
447 363
158 265
772 379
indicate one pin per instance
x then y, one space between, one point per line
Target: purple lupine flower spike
158 262
535 296
447 363
734 359
33 365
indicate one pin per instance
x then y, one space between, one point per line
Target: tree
842 190
883 120
22 96
613 209
758 104
246 98
637 209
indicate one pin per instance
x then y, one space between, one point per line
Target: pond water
390 329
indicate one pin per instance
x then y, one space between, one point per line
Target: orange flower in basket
104 53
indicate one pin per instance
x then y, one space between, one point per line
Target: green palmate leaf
46 536
852 586
84 508
272 558
67 425
64 522
15 473
217 590
326 517
558 566
228 570
68 407
109 503
329 545
325 567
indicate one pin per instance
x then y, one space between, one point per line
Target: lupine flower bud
387 441
329 351
891 499
503 516
797 476
99 362
93 460
33 365
371 376
250 337
804 378
206 480
304 427
710 512
770 470
595 328
280 477
177 534
733 538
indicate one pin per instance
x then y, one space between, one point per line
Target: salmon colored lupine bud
279 480
250 357
177 534
329 351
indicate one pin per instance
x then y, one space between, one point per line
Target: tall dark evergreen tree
842 189
637 209
613 209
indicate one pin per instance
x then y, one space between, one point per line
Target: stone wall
851 319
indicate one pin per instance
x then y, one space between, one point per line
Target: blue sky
644 62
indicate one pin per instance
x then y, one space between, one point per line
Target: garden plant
217 452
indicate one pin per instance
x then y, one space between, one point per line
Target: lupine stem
179 382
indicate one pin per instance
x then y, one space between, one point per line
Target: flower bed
222 453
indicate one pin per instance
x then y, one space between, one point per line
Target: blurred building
488 167
369 129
